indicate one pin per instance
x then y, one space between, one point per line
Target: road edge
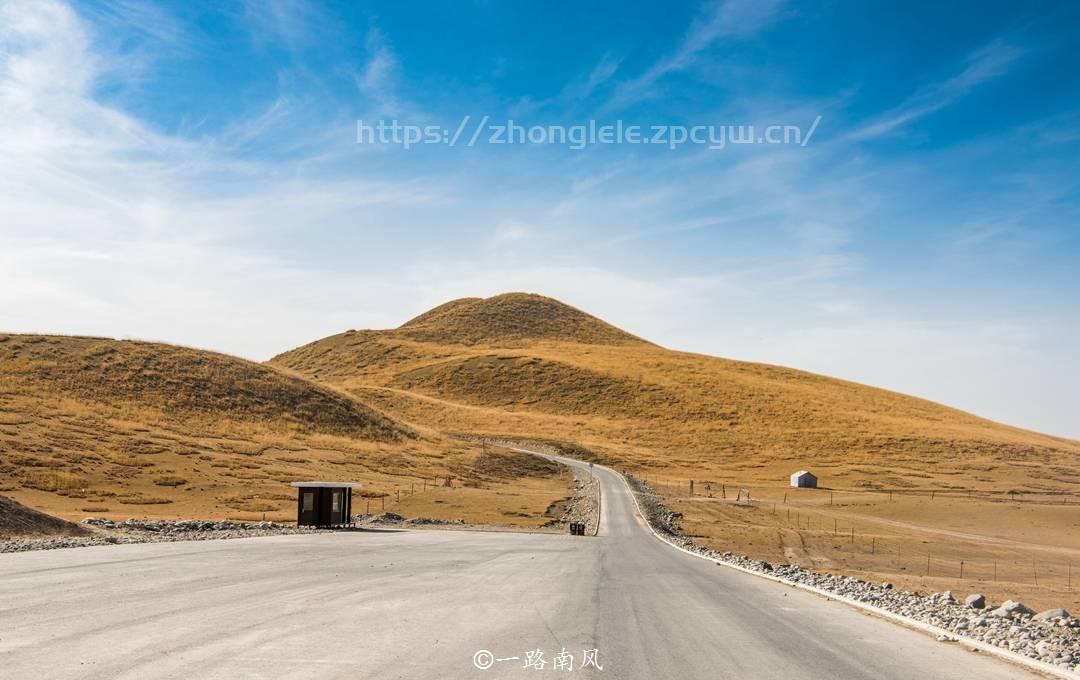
1004 654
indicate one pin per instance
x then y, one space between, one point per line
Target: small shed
803 480
324 504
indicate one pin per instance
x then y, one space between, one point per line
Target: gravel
394 519
584 503
1052 636
108 532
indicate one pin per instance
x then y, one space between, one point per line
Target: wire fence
721 489
872 548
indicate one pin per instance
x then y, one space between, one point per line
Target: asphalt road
421 604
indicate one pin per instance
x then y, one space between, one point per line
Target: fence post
835 526
853 535
1035 571
927 562
961 570
873 545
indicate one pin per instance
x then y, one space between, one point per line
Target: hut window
337 501
309 502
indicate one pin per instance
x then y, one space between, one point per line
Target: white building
803 480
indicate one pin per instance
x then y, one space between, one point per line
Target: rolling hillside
92 426
501 366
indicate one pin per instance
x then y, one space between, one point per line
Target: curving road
422 604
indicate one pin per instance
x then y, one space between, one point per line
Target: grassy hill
92 426
512 318
185 383
685 414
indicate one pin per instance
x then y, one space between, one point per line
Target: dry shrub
53 481
250 503
170 480
138 499
128 460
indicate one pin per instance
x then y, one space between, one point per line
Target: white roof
800 473
326 485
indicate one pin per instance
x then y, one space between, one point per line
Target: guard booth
324 504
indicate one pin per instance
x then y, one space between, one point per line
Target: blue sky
189 172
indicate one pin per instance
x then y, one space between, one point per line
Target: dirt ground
1012 547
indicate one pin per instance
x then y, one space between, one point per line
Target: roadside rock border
108 532
1052 638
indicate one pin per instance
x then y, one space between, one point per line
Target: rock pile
583 505
151 531
1052 636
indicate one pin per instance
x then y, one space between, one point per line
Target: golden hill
510 318
652 408
92 426
185 383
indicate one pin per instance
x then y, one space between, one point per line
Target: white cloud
293 23
983 65
722 19
378 81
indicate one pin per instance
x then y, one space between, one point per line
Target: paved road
420 604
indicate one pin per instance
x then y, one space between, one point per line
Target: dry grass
170 480
114 428
1011 546
178 380
509 318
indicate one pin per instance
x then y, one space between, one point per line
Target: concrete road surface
422 604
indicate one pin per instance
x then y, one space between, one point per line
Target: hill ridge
512 317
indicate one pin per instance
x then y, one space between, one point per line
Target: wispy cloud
583 88
721 19
291 23
985 64
378 80
163 31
